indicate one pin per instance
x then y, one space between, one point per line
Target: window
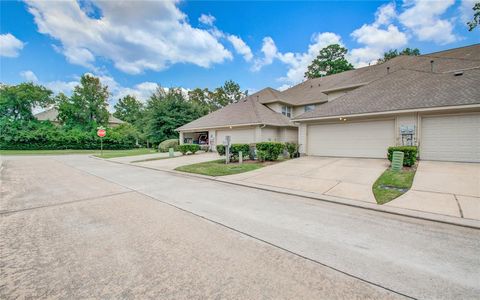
309 107
287 111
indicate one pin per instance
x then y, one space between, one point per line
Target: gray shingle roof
315 90
404 82
402 90
246 111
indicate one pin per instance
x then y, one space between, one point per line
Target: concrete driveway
350 178
446 188
172 163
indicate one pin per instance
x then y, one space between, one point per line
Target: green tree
87 106
330 60
201 97
168 110
394 53
129 109
228 93
476 17
18 101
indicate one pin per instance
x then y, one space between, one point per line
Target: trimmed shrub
185 148
236 148
194 148
410 154
272 149
167 144
35 135
221 150
261 155
292 149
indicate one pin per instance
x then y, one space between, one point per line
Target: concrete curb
469 223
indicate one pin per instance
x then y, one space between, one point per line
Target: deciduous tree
18 101
330 60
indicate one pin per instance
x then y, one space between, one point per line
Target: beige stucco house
432 101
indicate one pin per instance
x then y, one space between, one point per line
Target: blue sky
134 45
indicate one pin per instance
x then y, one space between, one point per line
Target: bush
272 149
292 149
236 148
167 144
221 150
36 135
261 155
410 154
194 148
185 148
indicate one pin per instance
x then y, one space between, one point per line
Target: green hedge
410 154
167 144
236 148
272 149
221 150
185 148
46 136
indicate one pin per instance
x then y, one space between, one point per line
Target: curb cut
468 223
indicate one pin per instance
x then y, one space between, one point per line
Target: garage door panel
237 135
361 139
451 138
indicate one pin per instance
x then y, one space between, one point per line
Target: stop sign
101 132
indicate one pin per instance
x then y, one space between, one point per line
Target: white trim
236 125
440 108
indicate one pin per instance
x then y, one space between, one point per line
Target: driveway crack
459 206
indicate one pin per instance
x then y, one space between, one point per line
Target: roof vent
432 65
388 70
319 84
311 86
458 73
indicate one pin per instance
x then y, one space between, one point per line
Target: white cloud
378 37
151 36
385 14
423 18
299 62
10 46
241 47
59 86
269 50
29 76
207 19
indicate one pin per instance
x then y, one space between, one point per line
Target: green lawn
219 168
106 153
392 184
121 153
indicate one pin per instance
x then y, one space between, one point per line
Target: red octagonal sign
101 132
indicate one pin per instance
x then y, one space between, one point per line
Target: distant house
52 116
431 101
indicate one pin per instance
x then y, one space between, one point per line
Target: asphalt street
77 227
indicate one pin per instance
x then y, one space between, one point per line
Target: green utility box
397 160
172 154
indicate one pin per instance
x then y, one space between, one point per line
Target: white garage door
451 138
236 135
361 139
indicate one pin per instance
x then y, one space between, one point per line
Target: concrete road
74 226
